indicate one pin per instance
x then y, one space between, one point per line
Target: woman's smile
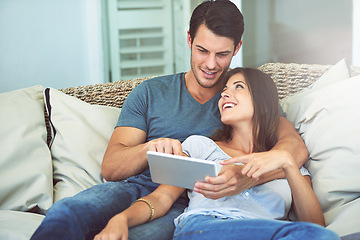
228 105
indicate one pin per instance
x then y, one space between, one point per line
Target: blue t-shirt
163 108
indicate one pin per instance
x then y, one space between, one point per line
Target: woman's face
236 104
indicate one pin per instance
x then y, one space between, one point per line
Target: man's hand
229 182
125 155
165 145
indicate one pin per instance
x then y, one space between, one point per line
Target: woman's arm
139 212
232 182
305 202
289 145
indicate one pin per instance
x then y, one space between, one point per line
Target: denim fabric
210 227
87 213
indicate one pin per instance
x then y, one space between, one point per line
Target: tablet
179 171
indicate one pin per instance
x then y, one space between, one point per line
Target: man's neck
199 93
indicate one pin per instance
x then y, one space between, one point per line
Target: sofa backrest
292 77
109 94
288 77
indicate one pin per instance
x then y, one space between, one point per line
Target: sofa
53 140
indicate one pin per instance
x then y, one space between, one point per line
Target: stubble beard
201 83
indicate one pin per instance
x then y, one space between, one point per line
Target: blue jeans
211 227
87 213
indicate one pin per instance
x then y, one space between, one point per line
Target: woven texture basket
108 94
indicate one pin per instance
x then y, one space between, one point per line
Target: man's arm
231 181
125 155
291 142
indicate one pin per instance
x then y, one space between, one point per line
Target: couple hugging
249 201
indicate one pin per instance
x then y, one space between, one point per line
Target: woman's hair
222 17
266 117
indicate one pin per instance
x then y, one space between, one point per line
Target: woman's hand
257 164
229 182
116 229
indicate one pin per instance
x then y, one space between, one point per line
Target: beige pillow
16 225
25 161
327 119
82 134
345 219
336 73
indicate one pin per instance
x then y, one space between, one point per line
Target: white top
271 200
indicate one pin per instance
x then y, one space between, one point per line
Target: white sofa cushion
344 219
16 225
82 134
327 119
25 160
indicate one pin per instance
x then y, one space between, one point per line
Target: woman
250 113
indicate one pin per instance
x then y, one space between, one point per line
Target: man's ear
189 39
237 48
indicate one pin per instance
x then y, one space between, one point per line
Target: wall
306 31
356 32
55 43
256 38
58 43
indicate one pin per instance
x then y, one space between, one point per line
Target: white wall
356 32
237 60
257 34
55 43
306 31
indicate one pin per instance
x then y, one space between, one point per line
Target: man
158 115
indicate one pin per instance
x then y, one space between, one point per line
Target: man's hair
222 17
266 109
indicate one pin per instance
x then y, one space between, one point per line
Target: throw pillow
15 225
82 132
336 73
25 160
327 118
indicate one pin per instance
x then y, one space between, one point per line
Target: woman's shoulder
199 139
198 146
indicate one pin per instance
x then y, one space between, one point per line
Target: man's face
211 55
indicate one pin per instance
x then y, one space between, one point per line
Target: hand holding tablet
179 171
